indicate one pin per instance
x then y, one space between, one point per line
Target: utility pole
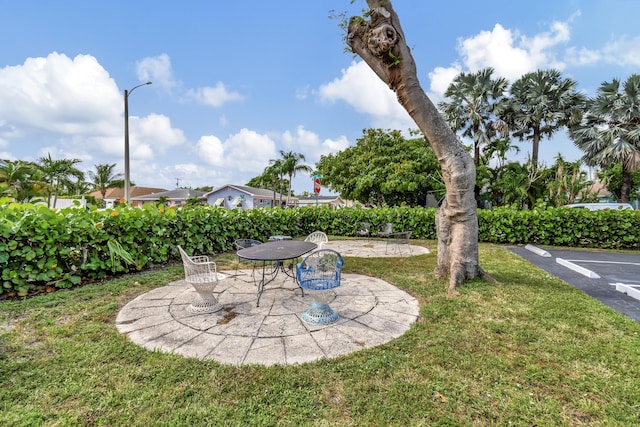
127 179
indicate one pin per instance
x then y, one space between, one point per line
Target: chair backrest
246 243
388 228
198 269
320 270
317 237
364 228
186 259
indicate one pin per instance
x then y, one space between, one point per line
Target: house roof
600 189
118 193
321 198
177 194
251 191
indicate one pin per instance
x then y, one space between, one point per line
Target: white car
599 206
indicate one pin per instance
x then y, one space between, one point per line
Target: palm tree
103 177
291 164
515 184
57 174
270 177
611 179
78 188
20 180
610 131
568 183
471 109
499 148
275 172
541 103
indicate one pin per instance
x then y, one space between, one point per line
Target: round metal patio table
273 256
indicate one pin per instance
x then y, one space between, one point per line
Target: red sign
316 185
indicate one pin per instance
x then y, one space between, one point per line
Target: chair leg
320 313
206 302
235 277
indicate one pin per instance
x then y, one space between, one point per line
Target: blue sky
235 82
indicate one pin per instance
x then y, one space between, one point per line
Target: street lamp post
127 180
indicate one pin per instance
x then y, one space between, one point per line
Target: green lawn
531 350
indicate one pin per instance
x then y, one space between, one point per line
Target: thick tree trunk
381 44
536 148
625 190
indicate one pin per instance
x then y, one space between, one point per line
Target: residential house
243 197
605 196
334 202
177 197
63 202
114 195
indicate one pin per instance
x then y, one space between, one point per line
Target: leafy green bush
42 248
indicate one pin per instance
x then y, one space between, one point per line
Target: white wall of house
66 203
230 198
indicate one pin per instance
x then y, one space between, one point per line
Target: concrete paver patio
372 312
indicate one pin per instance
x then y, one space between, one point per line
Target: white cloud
245 151
196 175
309 143
334 145
155 131
497 49
366 93
509 53
58 94
190 169
76 109
70 103
302 93
441 78
624 51
302 140
210 150
157 70
245 154
582 56
214 96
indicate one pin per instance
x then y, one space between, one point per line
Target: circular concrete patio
374 248
372 312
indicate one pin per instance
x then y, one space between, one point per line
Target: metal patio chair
241 244
386 230
364 229
317 237
399 240
318 272
200 272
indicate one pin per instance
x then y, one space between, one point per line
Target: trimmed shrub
41 247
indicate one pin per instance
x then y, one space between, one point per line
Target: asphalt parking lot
598 273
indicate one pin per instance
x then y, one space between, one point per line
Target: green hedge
41 248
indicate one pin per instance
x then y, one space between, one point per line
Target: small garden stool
320 271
